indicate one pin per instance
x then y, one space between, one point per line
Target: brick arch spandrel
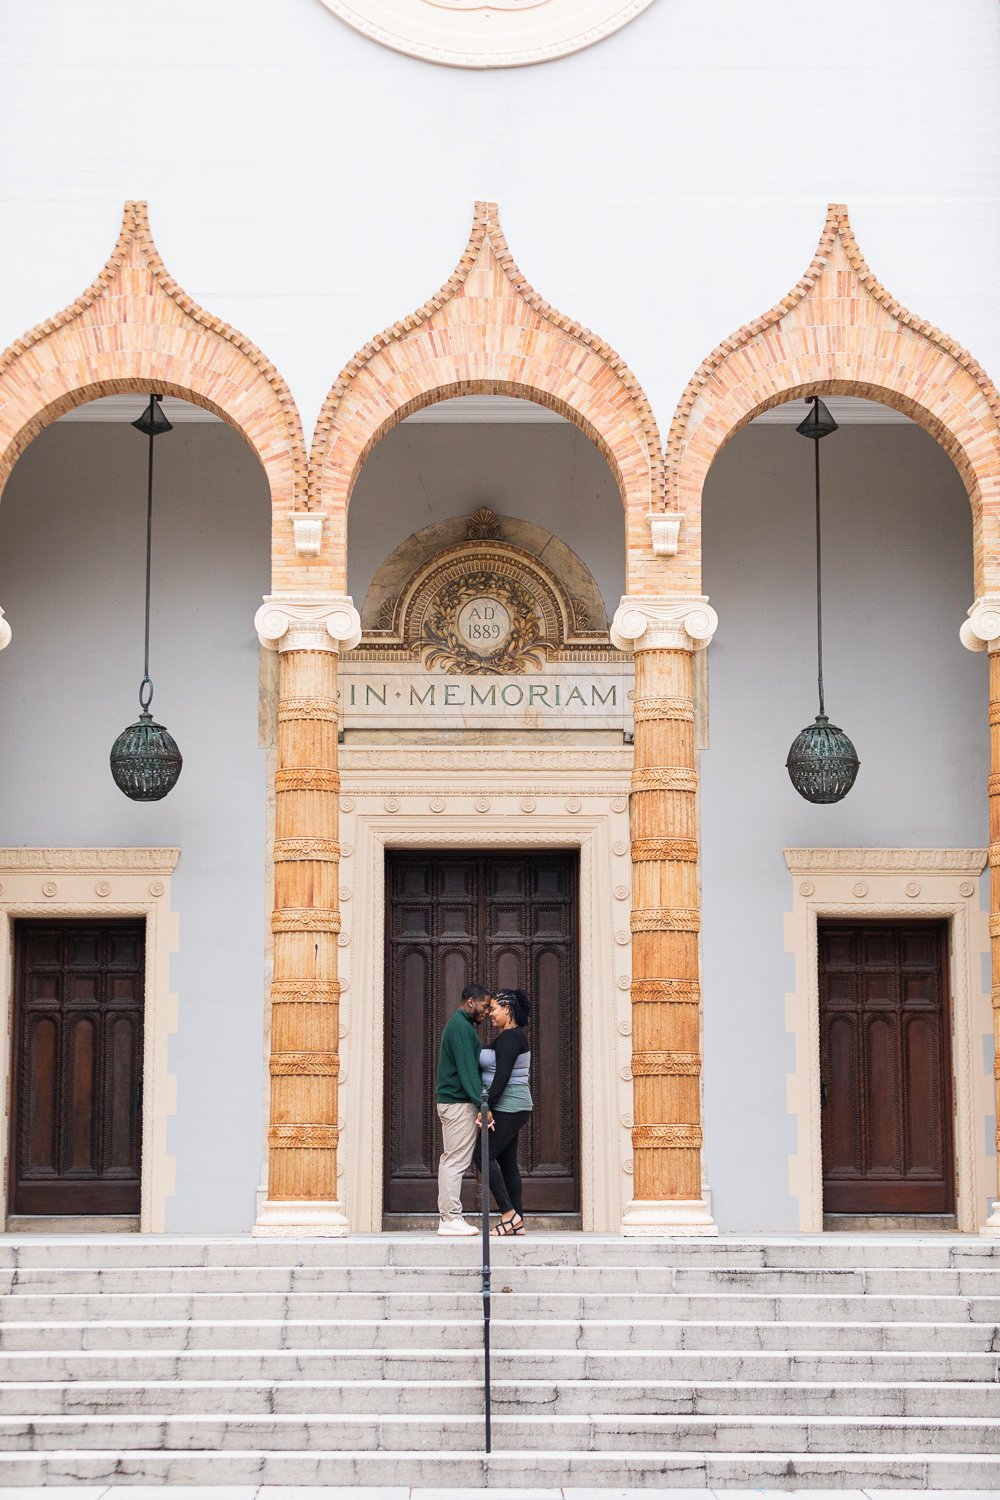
486 332
135 329
839 331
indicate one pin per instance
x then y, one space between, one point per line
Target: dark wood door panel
886 1068
506 921
76 1120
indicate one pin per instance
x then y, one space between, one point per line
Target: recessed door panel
77 1067
516 916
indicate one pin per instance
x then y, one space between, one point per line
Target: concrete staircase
836 1362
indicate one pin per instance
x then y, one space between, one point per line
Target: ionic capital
981 631
667 622
308 622
5 632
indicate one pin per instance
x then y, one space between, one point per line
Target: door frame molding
888 884
491 799
47 884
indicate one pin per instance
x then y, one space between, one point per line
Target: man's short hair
473 992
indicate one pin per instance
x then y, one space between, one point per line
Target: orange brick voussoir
136 329
486 331
838 331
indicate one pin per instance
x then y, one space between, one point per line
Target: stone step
524 1397
355 1431
511 1471
851 1367
433 1335
724 1307
422 1250
663 1279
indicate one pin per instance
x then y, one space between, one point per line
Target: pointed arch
135 329
839 331
487 331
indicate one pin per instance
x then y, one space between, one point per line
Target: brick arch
135 329
839 331
487 331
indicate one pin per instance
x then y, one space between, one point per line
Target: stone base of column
291 1219
992 1225
667 1217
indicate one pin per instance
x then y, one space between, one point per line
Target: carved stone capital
5 632
981 631
666 622
308 622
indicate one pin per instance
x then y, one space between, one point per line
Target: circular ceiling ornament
487 33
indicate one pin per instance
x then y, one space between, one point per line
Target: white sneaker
456 1227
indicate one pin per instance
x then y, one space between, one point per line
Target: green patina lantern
822 762
145 760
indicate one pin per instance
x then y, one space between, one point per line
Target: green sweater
458 1077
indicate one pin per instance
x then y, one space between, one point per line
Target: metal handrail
484 1110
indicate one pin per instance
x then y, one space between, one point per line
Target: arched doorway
103 895
839 333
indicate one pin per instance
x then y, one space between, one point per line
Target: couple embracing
465 1068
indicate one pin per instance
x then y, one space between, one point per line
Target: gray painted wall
72 541
897 536
548 473
898 582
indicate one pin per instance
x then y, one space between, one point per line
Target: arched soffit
839 331
134 329
487 331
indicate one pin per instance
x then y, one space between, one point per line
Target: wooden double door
505 921
76 1121
886 1068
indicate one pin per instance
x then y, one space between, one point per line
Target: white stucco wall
72 559
897 552
663 187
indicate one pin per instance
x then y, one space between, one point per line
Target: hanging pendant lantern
145 760
822 763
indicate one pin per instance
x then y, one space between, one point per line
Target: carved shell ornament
473 611
487 33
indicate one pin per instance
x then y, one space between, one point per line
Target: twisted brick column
305 993
666 915
981 632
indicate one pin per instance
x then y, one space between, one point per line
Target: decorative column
664 632
981 632
307 632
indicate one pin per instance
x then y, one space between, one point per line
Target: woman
505 1068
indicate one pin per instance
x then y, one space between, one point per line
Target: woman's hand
490 1124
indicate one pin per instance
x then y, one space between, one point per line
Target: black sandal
513 1225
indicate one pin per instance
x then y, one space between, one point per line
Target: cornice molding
306 622
887 861
669 622
424 760
143 861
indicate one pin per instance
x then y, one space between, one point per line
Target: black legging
505 1175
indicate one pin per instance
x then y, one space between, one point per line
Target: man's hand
489 1121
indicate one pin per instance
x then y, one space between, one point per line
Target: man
458 1089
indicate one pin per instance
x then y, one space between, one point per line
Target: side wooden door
885 1065
77 1067
503 921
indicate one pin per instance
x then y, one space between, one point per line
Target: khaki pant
458 1126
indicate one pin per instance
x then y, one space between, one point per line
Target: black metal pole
146 690
484 1110
819 576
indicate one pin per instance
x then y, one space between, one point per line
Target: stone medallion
487 33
